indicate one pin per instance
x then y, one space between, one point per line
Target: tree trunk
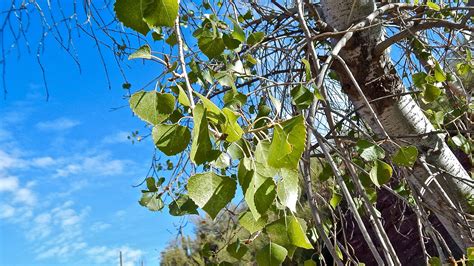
445 194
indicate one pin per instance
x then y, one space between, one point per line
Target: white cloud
10 160
57 124
119 137
43 162
107 255
6 211
99 226
9 183
98 165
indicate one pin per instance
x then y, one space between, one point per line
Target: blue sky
67 168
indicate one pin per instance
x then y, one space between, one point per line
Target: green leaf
433 6
262 166
470 253
264 196
431 93
183 97
237 249
288 189
406 156
335 200
271 255
369 151
238 150
380 173
201 147
171 139
129 12
419 79
161 12
152 107
297 234
287 232
461 142
233 98
143 52
211 46
215 114
151 184
247 221
183 205
302 97
309 263
151 201
439 74
435 261
307 68
288 143
238 33
231 128
230 42
255 38
211 192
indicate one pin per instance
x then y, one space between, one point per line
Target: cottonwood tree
357 113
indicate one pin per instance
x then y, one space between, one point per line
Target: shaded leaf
201 147
302 97
211 46
171 139
183 205
237 249
255 38
129 12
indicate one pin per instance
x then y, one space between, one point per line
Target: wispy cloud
118 137
59 124
97 165
107 255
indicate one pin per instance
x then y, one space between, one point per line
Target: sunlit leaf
247 221
288 189
152 107
406 156
271 255
161 12
211 192
288 143
369 151
380 173
143 52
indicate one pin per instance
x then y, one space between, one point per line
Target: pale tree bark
438 176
